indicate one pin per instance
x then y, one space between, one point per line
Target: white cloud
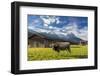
73 28
50 19
57 20
34 28
69 28
83 33
50 27
45 24
47 19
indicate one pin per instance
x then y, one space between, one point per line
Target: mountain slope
55 35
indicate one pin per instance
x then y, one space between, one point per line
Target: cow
58 46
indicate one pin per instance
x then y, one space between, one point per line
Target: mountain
71 37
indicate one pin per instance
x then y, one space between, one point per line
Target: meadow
77 52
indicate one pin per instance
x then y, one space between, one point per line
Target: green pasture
77 51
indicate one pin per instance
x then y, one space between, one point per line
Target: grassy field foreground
77 52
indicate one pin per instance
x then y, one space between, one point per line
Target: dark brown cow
62 46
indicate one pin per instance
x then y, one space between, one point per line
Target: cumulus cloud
71 27
57 20
83 33
45 25
50 27
50 19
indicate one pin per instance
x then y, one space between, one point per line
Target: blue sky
64 24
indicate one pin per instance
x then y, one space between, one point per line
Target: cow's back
63 43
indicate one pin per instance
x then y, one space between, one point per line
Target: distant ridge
53 36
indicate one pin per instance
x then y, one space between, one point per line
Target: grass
77 52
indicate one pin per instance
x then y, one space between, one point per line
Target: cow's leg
57 50
69 49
